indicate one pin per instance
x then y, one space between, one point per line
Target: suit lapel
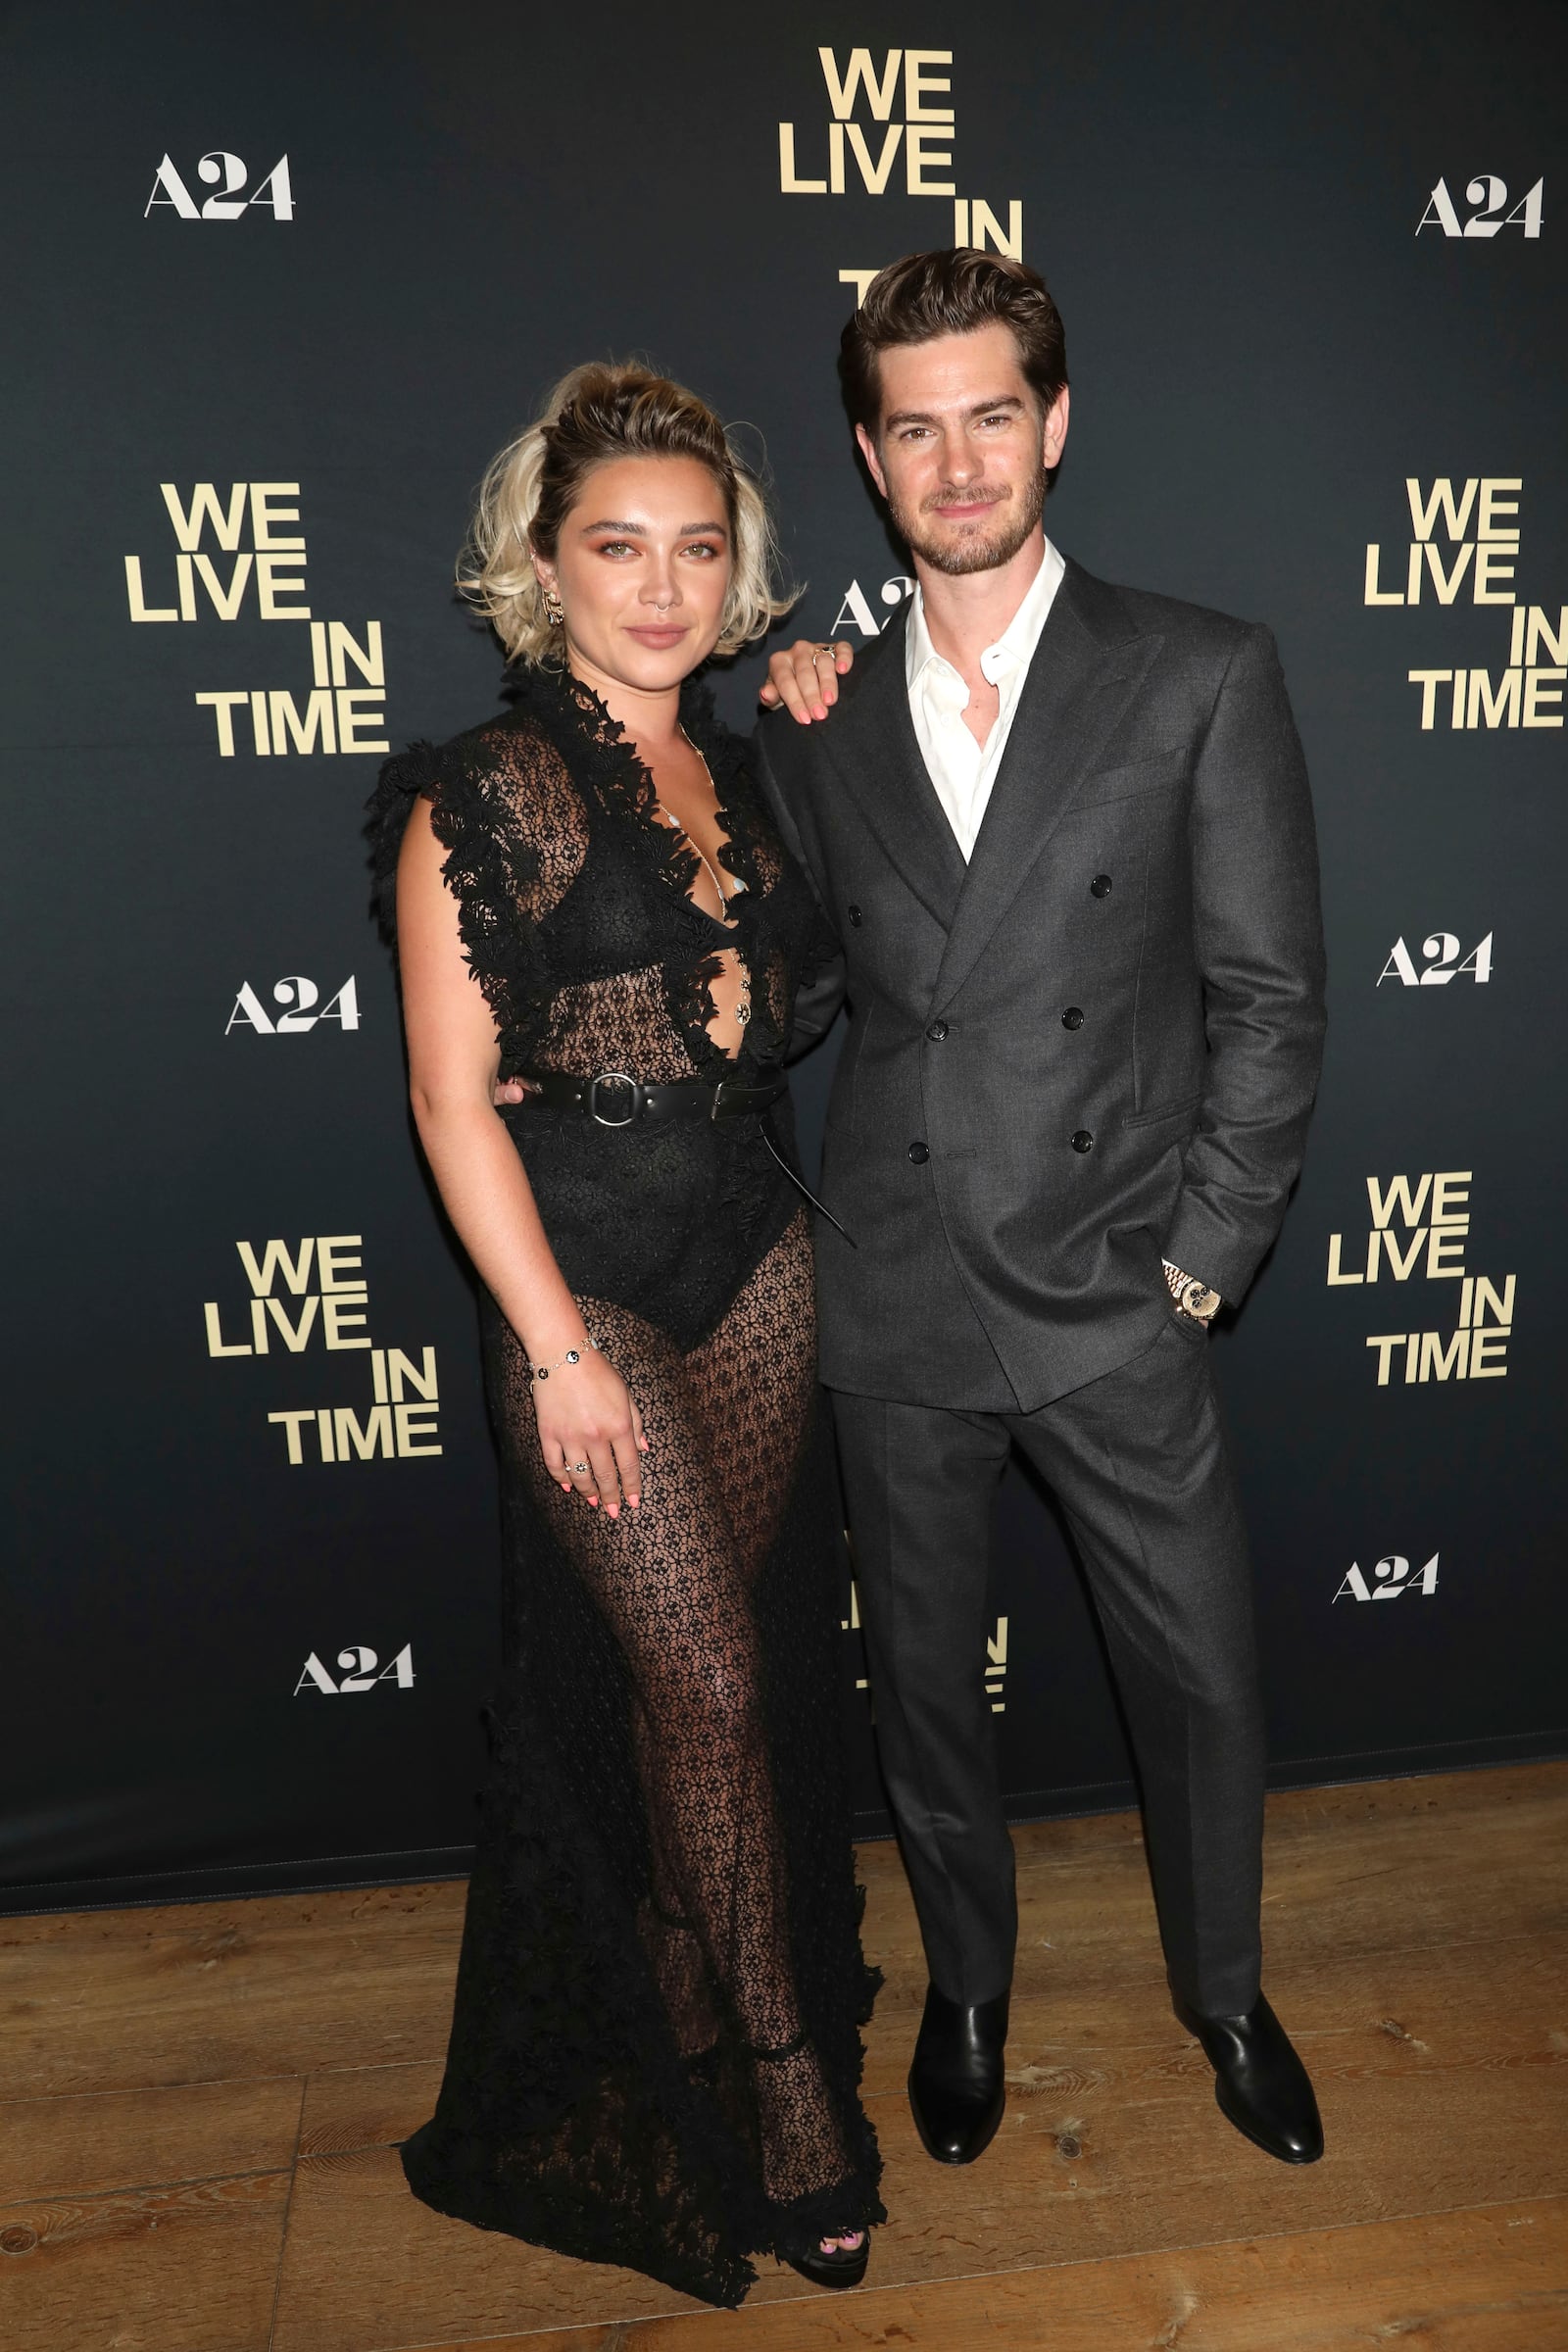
1078 687
871 746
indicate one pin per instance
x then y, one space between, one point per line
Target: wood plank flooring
196 2141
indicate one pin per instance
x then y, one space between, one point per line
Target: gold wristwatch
1191 1298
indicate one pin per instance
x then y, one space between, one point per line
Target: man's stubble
982 547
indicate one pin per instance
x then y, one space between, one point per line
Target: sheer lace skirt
655 2049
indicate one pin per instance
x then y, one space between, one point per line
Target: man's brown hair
950 293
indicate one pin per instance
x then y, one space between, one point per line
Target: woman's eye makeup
708 549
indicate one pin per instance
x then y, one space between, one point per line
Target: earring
555 610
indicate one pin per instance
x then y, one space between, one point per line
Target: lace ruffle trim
487 864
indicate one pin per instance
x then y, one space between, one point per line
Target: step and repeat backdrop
289 274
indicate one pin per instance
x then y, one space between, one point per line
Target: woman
656 2055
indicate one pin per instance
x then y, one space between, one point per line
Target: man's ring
576 1468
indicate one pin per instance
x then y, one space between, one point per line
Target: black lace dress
665 1885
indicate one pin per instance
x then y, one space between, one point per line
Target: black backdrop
1312 272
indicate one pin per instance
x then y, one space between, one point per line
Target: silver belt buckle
614 1078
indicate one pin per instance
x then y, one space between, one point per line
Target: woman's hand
805 677
591 1433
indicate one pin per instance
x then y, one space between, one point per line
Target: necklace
743 1008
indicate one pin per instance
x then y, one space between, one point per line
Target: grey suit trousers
1137 1461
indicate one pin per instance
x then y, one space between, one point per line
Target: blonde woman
656 2053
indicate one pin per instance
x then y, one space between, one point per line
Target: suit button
1100 887
920 1154
1072 1018
937 1032
855 915
1083 1141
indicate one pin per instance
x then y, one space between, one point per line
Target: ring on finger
577 1469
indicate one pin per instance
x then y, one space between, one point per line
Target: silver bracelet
573 1355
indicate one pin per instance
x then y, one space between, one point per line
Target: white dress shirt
963 770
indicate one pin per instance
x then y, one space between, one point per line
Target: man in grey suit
1062 833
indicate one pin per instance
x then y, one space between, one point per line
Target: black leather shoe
1261 2084
957 2091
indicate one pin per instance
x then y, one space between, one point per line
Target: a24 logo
1442 949
362 1675
855 608
1488 194
227 175
301 1000
1391 1579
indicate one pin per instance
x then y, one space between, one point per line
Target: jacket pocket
1164 1113
1160 773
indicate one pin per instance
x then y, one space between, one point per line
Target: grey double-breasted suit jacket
1093 1046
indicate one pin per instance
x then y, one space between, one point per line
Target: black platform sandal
846 2265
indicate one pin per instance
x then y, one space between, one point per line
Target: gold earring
555 610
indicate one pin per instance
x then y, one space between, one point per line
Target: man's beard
982 547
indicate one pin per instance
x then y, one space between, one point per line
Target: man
1062 833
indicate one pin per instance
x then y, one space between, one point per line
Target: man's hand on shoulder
804 679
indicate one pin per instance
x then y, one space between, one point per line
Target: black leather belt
615 1100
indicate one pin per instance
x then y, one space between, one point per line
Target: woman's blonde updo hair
595 413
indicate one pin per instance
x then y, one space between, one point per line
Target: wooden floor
196 2145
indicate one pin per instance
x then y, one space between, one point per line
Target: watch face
1200 1302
